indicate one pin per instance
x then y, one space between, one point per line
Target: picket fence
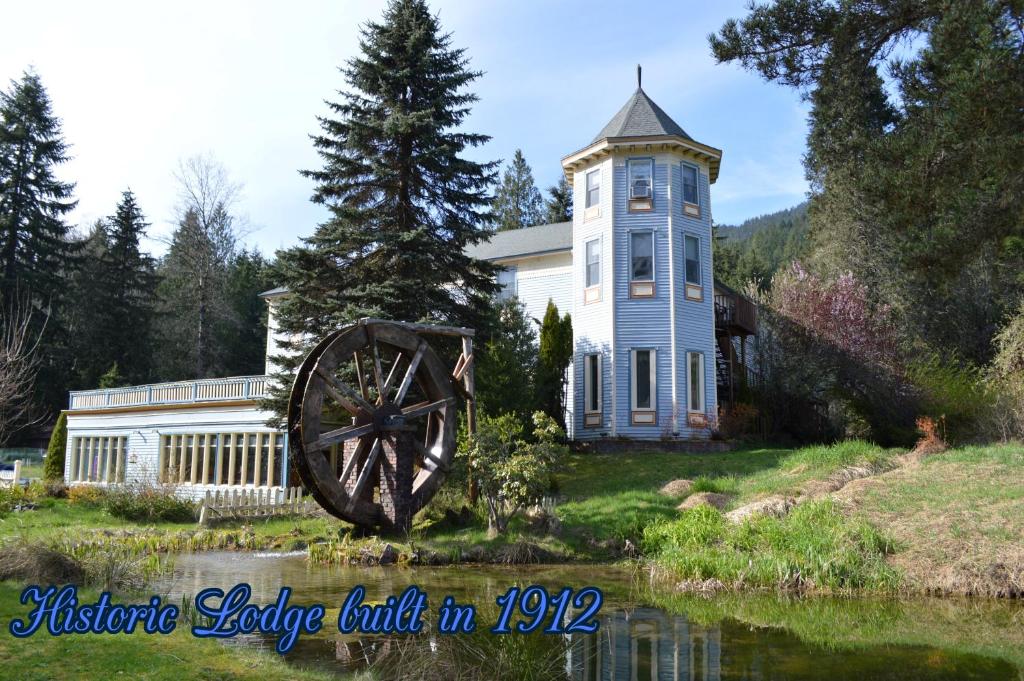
255 503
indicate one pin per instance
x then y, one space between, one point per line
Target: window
593 188
593 263
641 172
691 248
641 250
507 283
592 390
222 459
695 369
690 189
642 390
98 459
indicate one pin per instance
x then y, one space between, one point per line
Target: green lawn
175 657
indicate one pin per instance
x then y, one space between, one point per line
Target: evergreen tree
53 465
34 248
507 363
558 206
919 194
191 292
129 282
87 322
404 202
35 251
242 339
113 378
517 202
554 356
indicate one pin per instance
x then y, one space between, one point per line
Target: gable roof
640 117
523 242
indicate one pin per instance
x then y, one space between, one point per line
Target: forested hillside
757 248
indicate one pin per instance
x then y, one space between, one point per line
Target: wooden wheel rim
316 381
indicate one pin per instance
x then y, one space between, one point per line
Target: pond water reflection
684 640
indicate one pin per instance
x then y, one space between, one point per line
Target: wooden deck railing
735 313
181 392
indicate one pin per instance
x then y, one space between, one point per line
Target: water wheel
372 420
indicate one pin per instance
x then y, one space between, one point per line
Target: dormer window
641 183
691 191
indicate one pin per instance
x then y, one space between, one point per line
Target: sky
140 86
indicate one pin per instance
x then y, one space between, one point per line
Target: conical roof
640 117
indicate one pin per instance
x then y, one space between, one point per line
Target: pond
642 636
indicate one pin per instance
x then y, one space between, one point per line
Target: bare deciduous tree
19 364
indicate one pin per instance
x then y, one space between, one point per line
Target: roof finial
638 76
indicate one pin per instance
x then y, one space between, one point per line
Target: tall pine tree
517 203
404 202
35 251
129 278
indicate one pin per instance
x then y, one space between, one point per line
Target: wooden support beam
270 459
194 472
231 459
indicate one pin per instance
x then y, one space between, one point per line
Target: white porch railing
181 392
11 478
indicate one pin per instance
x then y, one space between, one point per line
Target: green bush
148 504
53 466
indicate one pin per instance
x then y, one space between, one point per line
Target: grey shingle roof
522 242
640 117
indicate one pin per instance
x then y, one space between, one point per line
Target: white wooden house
651 328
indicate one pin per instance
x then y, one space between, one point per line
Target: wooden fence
11 478
255 503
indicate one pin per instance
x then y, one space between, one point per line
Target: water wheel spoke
424 408
350 465
430 460
410 373
342 394
341 434
360 376
364 475
390 380
378 372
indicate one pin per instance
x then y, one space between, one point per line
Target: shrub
1005 378
951 392
53 466
86 495
144 503
14 496
38 564
55 489
510 471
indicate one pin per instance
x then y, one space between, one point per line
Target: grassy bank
870 520
176 657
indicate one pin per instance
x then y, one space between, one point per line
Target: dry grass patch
957 517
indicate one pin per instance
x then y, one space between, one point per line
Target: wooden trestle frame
379 394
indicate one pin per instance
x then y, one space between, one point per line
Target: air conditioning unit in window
640 189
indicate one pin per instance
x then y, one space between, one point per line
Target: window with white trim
691 256
593 253
592 383
691 193
643 379
506 283
641 178
593 188
695 381
641 256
